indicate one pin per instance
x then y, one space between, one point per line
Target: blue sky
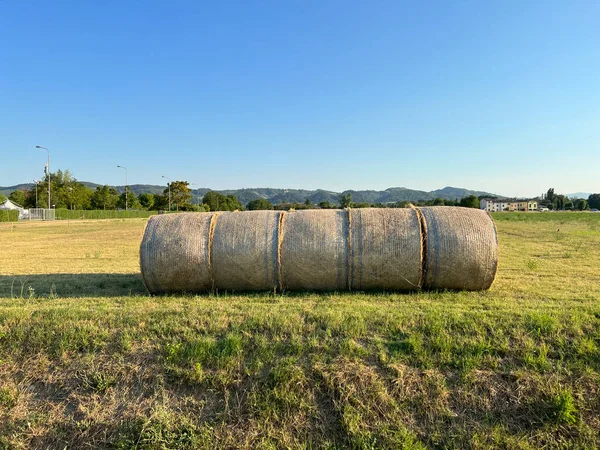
502 96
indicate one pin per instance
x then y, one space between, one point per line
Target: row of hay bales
361 249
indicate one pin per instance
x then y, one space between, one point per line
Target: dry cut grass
87 359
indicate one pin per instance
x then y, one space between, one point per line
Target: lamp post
126 186
47 170
168 179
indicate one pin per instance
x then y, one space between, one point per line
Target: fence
40 214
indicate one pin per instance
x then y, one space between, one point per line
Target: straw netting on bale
327 250
385 248
175 253
314 250
462 248
244 251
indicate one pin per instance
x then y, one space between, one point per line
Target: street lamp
47 170
169 180
126 187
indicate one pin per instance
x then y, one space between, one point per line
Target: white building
7 205
496 205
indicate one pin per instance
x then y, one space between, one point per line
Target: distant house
495 205
7 205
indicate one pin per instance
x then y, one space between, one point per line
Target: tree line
560 202
67 192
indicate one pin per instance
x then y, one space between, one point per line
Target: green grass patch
99 363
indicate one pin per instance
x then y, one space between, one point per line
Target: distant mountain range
579 195
391 195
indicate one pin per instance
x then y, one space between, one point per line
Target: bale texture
314 250
174 254
395 249
385 248
244 251
462 248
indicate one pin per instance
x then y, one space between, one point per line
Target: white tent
10 206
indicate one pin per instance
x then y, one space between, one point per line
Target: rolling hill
274 195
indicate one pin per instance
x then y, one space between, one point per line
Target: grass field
87 359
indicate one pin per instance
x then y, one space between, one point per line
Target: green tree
131 202
308 202
73 196
146 200
17 197
233 204
161 202
219 202
471 201
214 200
594 201
345 200
581 204
438 202
550 195
2 198
325 205
261 203
66 192
181 194
104 197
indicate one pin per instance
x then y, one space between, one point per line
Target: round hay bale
462 248
385 248
244 251
174 254
314 250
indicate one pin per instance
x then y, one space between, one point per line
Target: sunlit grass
98 362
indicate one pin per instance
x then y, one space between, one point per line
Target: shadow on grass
72 285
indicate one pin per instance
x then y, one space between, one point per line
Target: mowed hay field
89 360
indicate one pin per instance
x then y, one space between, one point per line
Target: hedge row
64 214
9 216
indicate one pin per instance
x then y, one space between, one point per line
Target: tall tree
147 200
104 197
219 202
17 197
129 201
345 200
581 204
261 203
181 194
471 201
594 201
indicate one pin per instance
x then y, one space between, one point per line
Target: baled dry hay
385 248
244 251
462 248
314 250
175 253
396 249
